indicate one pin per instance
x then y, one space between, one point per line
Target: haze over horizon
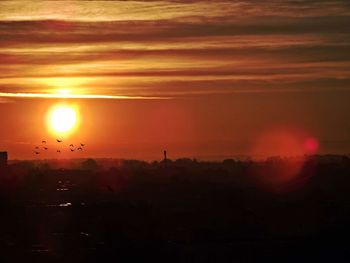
197 78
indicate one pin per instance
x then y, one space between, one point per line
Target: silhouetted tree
89 164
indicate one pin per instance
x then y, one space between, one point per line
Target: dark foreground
183 211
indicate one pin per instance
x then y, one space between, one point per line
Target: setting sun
62 119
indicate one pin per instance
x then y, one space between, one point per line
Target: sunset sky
204 79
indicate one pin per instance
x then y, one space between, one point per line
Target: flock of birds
44 147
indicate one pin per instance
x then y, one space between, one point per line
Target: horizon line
198 158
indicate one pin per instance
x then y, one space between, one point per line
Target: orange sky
201 79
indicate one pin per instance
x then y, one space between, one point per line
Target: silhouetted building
165 156
3 159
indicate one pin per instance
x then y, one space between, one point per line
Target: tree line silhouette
178 211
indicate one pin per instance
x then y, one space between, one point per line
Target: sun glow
62 119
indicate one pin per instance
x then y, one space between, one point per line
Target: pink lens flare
311 145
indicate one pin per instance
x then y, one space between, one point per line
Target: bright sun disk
63 119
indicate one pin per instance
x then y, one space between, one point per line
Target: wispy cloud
159 10
74 96
157 48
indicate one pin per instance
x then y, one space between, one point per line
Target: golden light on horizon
62 119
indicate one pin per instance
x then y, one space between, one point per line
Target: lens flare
286 153
311 145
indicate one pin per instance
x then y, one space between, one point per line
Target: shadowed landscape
178 211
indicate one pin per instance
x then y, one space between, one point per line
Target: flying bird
82 144
72 150
37 153
71 145
45 148
80 149
43 142
58 151
58 140
37 147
